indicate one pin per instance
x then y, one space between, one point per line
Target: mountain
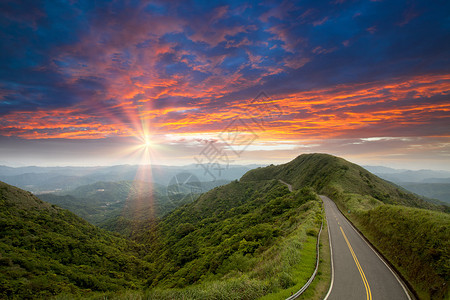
383 170
440 191
418 176
46 250
117 206
224 242
245 239
427 183
203 241
395 220
337 177
56 179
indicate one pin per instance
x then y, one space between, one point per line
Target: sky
224 82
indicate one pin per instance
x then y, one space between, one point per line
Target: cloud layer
173 69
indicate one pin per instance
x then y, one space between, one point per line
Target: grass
321 283
300 272
279 270
235 288
416 241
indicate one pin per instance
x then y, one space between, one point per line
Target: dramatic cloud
173 70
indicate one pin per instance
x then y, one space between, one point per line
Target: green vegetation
122 206
417 240
118 206
321 283
387 214
242 240
45 251
254 229
248 239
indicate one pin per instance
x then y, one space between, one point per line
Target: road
358 272
287 184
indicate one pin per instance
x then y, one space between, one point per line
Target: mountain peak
332 175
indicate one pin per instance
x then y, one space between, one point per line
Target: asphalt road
358 272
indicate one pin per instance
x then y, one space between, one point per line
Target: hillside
416 240
245 239
378 209
46 250
238 238
251 236
102 201
337 177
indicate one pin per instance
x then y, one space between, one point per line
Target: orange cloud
359 110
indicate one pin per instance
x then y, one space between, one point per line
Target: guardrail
300 291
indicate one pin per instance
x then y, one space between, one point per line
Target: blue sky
369 76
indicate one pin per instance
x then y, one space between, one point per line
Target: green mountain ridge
228 232
335 176
243 240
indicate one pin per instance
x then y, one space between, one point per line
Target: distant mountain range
118 205
402 175
427 183
52 179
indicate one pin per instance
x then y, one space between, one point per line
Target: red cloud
348 110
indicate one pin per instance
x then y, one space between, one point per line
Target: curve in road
358 272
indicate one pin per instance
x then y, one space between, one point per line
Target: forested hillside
254 231
251 238
46 250
122 206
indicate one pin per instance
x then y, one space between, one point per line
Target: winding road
358 272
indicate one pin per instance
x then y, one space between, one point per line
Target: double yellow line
363 276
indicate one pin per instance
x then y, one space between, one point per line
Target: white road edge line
331 258
374 251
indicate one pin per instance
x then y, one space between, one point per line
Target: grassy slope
329 174
321 283
46 250
423 237
375 205
252 233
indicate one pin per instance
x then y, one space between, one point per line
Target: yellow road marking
361 272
